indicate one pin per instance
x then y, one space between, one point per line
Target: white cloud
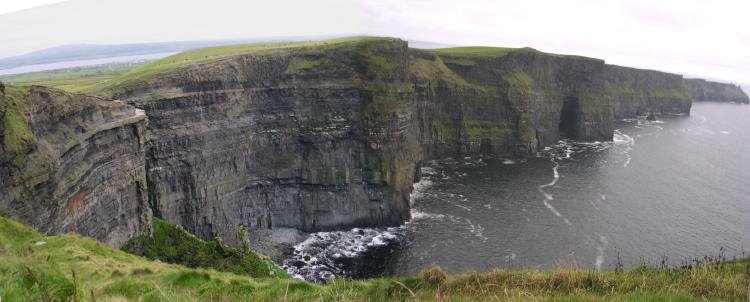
696 37
9 6
131 21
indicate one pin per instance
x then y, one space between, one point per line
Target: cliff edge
73 163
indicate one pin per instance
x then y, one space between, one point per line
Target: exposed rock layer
73 163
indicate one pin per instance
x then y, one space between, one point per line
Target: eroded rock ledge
73 163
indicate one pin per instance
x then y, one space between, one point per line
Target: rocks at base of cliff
707 91
73 163
276 243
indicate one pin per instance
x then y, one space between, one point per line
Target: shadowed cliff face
313 139
73 163
329 137
706 91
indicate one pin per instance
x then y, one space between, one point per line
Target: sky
692 37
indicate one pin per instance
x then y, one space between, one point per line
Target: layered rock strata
73 163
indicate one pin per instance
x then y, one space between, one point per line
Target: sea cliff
309 136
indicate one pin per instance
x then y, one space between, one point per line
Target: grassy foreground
74 268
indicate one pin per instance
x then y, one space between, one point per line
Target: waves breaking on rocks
324 256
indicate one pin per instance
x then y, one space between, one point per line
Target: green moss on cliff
296 65
517 81
17 132
681 94
476 51
378 62
459 61
172 244
435 70
481 129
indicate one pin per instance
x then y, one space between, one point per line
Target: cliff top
209 54
479 51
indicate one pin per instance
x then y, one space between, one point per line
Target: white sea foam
418 215
476 230
318 258
418 189
600 248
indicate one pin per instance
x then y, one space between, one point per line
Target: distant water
675 189
83 63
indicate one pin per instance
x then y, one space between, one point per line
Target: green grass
74 268
171 243
72 79
180 60
435 70
298 65
485 51
17 132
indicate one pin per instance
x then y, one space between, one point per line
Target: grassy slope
475 51
104 79
71 267
72 79
17 133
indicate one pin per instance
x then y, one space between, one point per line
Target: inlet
569 118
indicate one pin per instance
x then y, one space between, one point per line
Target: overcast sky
695 37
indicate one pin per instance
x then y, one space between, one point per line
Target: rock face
312 139
73 163
499 101
706 91
329 137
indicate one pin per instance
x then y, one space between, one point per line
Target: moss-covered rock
172 244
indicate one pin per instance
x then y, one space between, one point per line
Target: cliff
312 138
73 163
707 91
499 101
327 135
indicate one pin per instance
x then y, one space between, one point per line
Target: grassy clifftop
203 55
75 268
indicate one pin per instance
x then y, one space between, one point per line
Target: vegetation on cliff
16 130
478 51
172 244
74 268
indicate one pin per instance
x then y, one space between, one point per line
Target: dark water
674 189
